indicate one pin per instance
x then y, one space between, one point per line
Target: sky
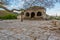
18 4
54 11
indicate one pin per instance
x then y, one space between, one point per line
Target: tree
43 3
28 3
5 3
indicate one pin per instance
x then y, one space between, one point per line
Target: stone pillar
35 14
29 14
44 15
22 16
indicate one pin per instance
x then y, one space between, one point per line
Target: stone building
35 12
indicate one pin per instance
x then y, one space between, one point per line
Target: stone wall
43 12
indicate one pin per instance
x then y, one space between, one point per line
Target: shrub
58 18
52 17
9 16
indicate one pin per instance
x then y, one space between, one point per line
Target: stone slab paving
28 30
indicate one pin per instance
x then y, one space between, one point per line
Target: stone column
29 14
22 16
35 14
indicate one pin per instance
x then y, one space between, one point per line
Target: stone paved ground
29 30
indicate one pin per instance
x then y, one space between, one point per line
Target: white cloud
16 4
54 11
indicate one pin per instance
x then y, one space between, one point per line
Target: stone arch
27 14
32 14
39 13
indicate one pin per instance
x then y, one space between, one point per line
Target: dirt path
28 30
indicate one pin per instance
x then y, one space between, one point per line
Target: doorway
32 14
39 13
27 14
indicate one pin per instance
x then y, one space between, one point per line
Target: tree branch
5 8
1 6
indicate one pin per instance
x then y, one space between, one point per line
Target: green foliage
54 17
58 18
7 15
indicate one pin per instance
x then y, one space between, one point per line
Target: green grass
7 15
54 17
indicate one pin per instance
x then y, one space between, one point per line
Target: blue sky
18 4
55 10
15 4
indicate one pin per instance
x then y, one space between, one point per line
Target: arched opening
39 14
32 14
27 14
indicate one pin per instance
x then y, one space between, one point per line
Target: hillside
3 12
7 15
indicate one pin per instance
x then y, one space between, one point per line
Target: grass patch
7 15
54 17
